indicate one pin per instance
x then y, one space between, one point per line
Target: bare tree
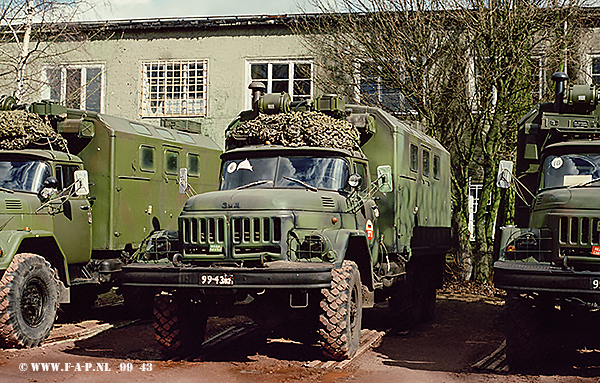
463 67
29 31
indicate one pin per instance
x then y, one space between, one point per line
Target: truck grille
579 230
242 230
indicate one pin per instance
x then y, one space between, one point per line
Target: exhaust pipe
560 78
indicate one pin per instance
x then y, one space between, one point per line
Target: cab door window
65 174
361 170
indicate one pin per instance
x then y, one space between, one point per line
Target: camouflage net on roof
21 129
296 129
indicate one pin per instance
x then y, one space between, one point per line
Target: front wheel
28 301
341 317
179 323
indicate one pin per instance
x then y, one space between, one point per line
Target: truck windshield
27 176
286 172
571 170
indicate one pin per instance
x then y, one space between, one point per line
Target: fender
41 242
352 245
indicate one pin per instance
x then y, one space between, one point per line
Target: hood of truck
18 202
267 199
581 198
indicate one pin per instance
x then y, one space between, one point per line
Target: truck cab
551 258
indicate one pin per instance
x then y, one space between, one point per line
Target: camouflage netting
296 129
21 129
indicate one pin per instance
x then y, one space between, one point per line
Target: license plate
595 283
221 279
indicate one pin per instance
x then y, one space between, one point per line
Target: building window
596 69
373 90
174 88
538 78
414 158
291 76
76 86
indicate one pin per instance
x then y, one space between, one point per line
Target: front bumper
275 275
543 277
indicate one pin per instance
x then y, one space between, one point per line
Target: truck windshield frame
23 175
324 172
569 170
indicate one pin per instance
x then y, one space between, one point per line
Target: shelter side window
426 162
414 158
193 164
171 162
147 158
65 174
436 167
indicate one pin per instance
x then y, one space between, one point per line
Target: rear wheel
28 301
341 317
179 324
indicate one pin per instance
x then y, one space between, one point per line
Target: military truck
551 258
73 207
323 209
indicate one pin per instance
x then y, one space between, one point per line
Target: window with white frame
538 78
373 90
295 76
76 86
480 90
595 69
174 88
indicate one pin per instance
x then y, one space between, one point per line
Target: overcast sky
135 9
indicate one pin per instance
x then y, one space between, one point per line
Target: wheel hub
32 303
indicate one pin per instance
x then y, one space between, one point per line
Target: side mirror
384 179
183 180
505 171
82 184
354 180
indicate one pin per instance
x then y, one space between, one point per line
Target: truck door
72 219
366 218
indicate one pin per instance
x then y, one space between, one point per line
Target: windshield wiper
7 190
255 183
583 183
309 187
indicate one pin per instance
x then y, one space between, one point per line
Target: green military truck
73 205
323 209
551 258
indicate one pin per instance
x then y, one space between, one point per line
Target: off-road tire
341 313
28 301
523 335
178 323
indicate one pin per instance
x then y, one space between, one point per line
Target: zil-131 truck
306 229
550 260
72 207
